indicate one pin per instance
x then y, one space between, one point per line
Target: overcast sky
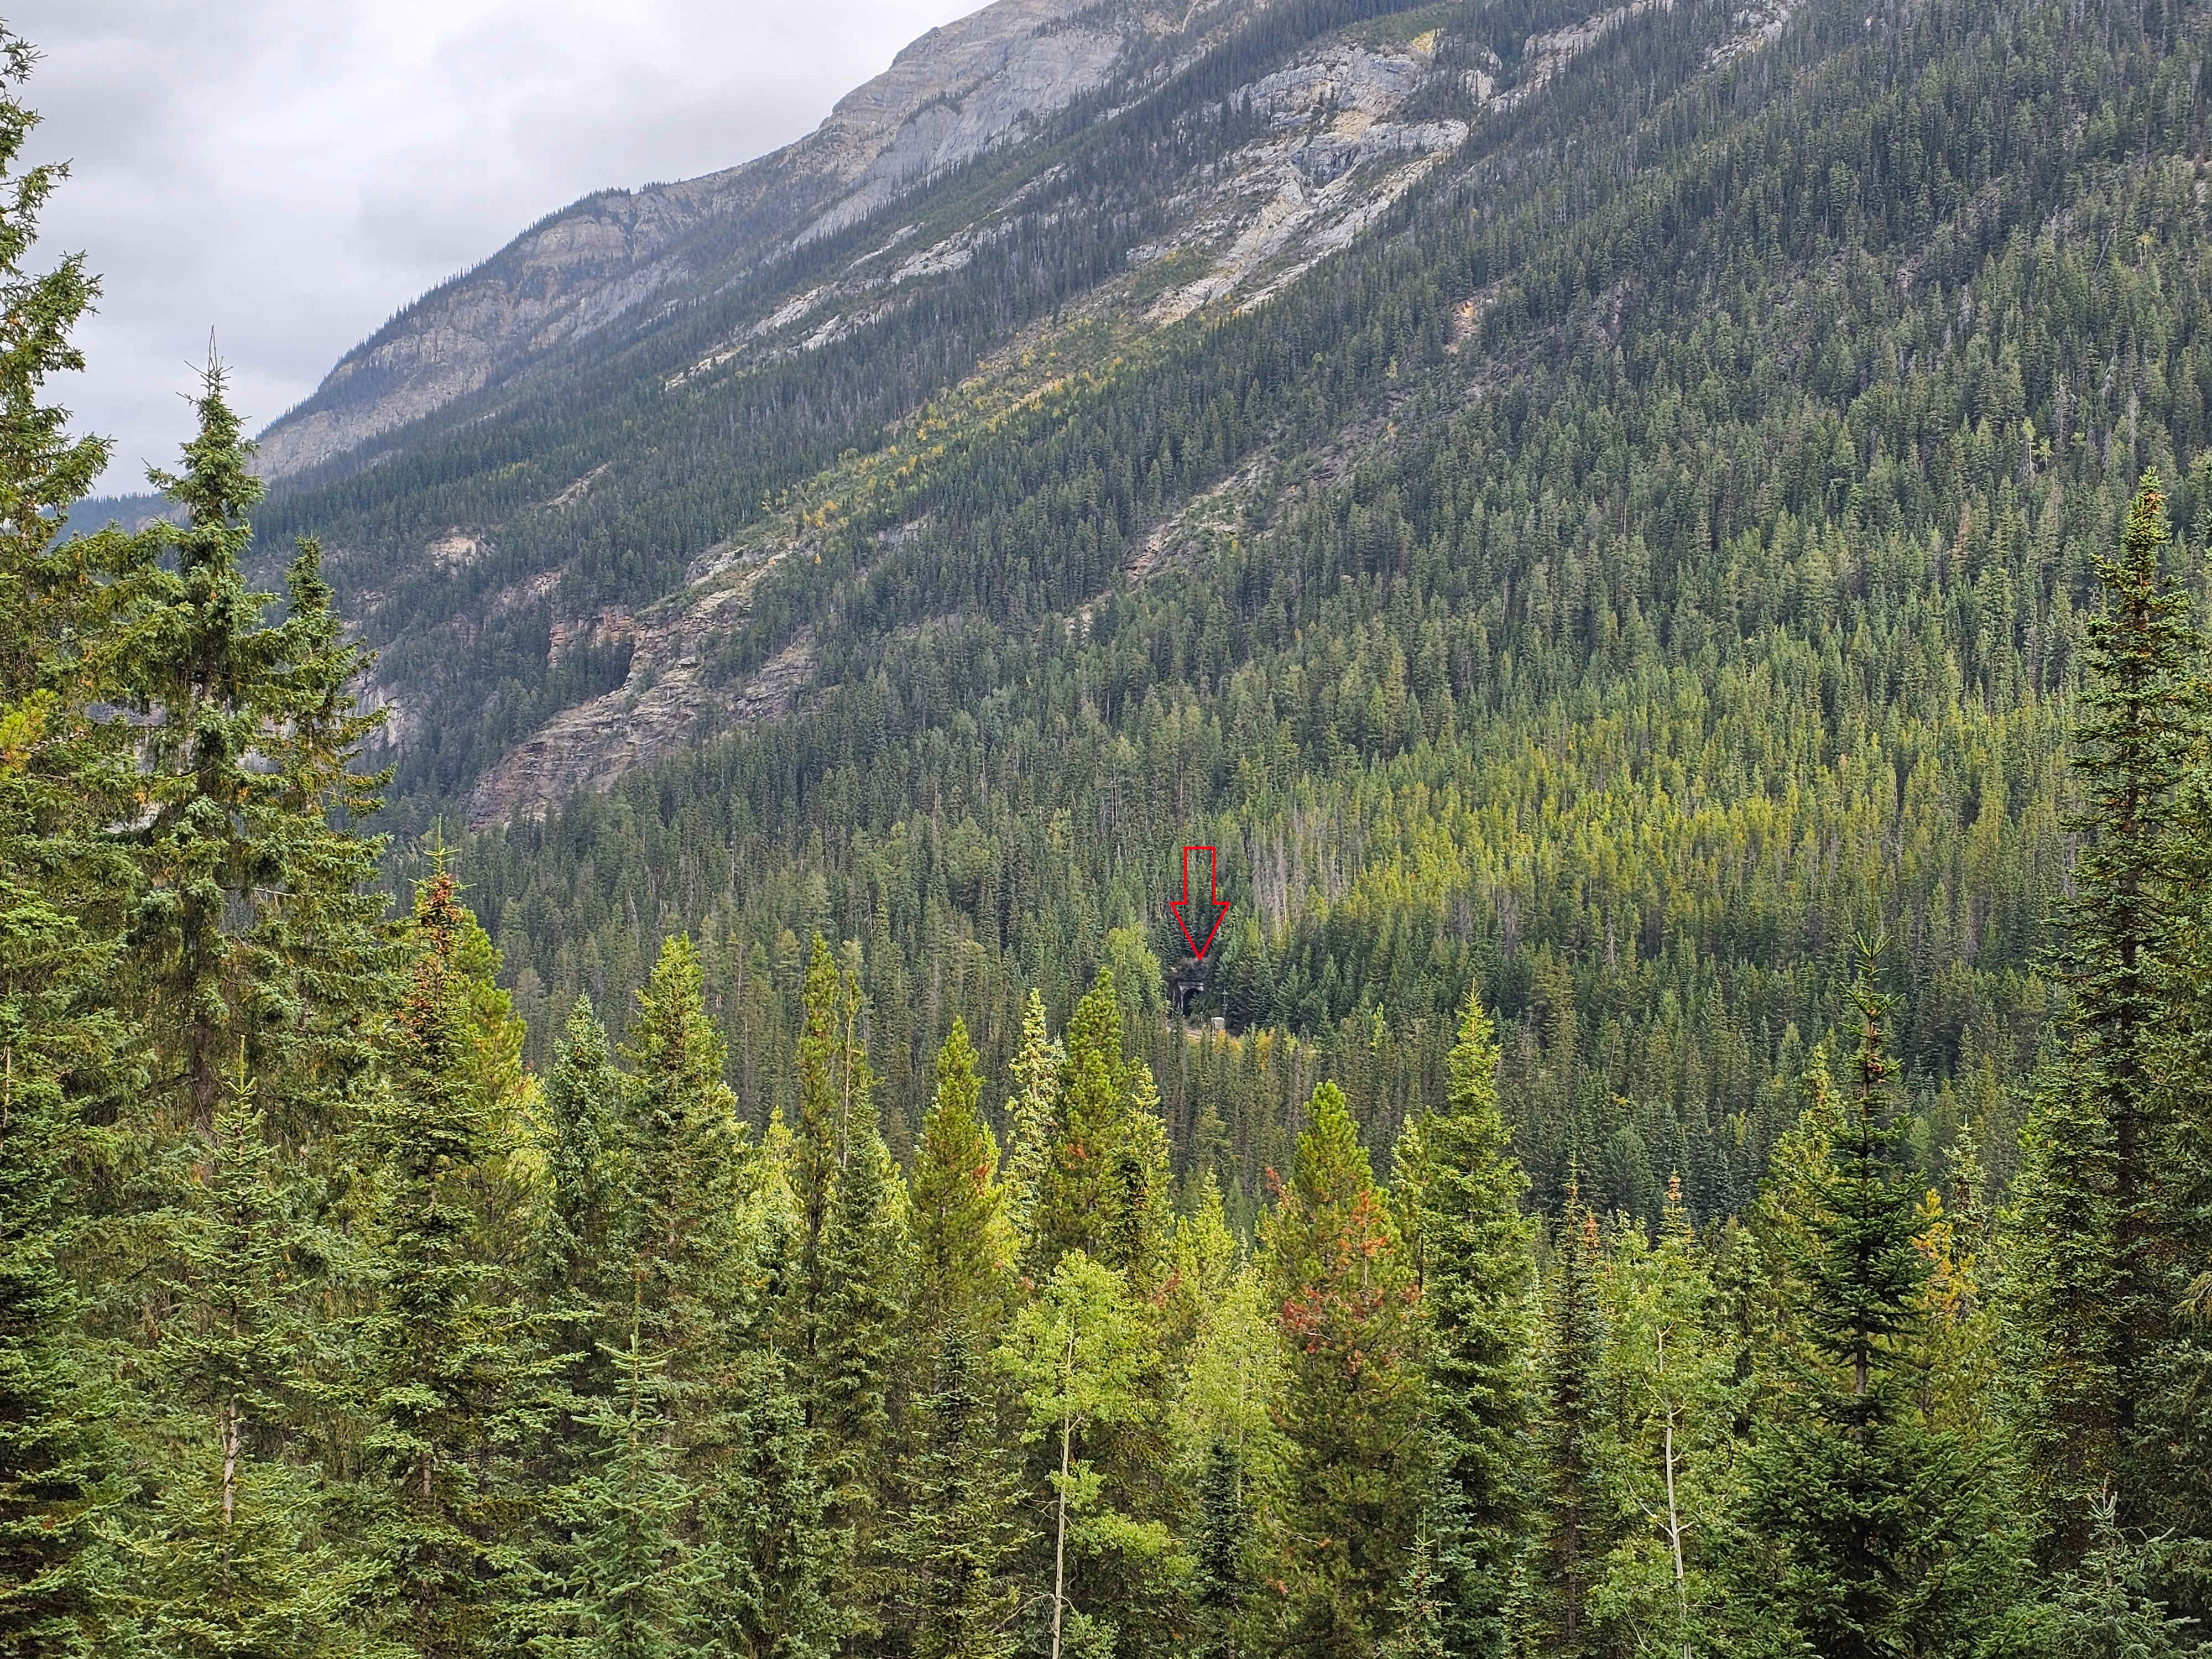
289 172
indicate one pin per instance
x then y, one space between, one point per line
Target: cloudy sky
289 172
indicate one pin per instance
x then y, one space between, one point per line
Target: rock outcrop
945 99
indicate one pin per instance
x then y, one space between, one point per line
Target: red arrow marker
1212 898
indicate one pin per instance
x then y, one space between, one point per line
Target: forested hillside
1667 559
1653 559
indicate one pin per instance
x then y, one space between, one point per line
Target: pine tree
1473 1244
446 1346
258 921
2096 1221
66 611
959 1535
1352 1399
1221 1580
963 1245
1869 1528
234 1562
1031 1108
1573 1540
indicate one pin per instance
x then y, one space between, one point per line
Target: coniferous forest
1726 1171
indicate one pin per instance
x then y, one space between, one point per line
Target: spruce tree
1869 1529
963 1243
689 1168
1030 1106
959 1533
1221 1576
66 611
446 1348
1351 1400
258 920
1105 1186
235 1563
864 1260
1464 1204
583 1293
817 1145
1573 1540
761 1553
628 1590
2096 1223
581 1273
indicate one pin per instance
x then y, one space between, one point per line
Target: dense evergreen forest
1709 1146
1659 556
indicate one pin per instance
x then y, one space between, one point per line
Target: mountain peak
946 98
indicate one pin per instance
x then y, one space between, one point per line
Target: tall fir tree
1473 1248
627 1590
2096 1223
1869 1530
1031 1104
963 1244
1221 1576
584 1293
581 1273
1105 1186
689 1171
448 1352
1573 1538
258 922
817 1145
238 1561
1352 1397
958 1532
857 1364
66 609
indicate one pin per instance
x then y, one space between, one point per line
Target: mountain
1595 503
947 98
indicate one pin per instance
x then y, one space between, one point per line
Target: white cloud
289 172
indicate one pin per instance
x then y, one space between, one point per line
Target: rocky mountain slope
948 97
1596 503
551 486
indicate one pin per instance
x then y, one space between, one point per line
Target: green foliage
1573 1535
963 1275
238 1560
257 922
1081 1356
960 1533
1352 1397
1655 548
446 1357
1462 1194
1871 1528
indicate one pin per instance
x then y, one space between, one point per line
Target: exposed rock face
668 695
1295 161
946 98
